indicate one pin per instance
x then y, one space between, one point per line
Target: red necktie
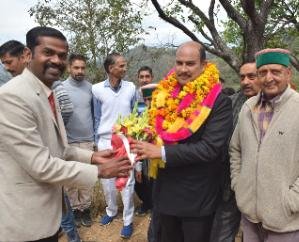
52 104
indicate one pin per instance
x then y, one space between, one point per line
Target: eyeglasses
250 76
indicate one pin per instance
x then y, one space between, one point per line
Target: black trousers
226 222
154 228
53 238
182 229
144 189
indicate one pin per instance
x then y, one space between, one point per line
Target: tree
252 25
94 27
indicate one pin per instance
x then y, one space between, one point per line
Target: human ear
27 55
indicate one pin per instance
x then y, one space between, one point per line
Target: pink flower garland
185 132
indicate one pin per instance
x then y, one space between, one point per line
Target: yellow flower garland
164 104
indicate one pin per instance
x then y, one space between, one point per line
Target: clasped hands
111 166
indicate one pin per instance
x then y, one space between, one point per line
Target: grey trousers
226 221
253 232
80 198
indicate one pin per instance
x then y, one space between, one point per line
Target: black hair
74 57
228 91
247 62
110 60
12 47
32 36
202 53
145 68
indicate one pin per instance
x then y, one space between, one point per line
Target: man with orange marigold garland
193 121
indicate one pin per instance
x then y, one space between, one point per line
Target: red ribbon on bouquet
121 145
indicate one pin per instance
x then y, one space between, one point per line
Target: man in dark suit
187 189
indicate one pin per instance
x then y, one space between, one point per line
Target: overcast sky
15 22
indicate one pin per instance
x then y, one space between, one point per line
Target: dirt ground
111 232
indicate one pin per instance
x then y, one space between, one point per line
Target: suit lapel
41 93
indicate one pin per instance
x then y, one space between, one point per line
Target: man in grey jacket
264 154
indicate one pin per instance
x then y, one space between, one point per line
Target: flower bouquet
134 126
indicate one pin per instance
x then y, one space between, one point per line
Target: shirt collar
46 89
107 84
273 101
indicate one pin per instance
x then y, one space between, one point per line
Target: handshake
110 166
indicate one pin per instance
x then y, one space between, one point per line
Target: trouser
68 224
154 229
185 229
254 232
144 189
80 198
127 193
226 221
110 191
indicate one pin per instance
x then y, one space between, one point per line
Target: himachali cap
148 89
272 56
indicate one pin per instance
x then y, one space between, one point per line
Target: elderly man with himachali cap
264 154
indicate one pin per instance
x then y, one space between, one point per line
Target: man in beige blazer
34 150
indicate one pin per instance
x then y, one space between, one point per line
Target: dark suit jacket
189 185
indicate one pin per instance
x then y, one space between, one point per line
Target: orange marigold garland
178 111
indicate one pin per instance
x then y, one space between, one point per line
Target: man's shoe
141 211
127 231
73 236
85 218
105 220
77 217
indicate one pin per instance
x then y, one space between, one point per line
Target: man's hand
100 157
145 150
115 167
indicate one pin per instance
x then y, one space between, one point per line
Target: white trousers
110 192
127 193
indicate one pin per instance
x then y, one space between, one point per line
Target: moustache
246 87
183 74
61 68
79 76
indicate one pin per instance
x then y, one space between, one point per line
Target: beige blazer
33 150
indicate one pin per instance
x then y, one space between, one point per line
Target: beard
79 77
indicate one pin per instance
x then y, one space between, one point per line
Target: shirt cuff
138 166
163 153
